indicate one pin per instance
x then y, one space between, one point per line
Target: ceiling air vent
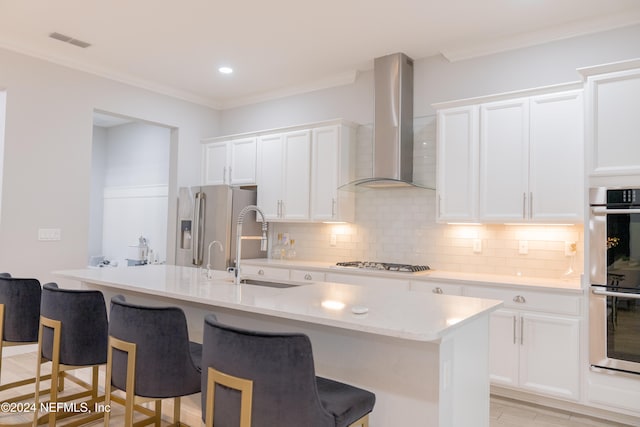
71 40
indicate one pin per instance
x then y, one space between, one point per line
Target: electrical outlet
570 248
477 246
523 247
333 240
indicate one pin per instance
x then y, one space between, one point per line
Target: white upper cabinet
556 147
333 155
297 169
504 158
613 106
231 162
457 186
284 175
512 160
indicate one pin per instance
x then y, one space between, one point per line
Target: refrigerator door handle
198 228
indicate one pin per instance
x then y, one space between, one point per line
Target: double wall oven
614 258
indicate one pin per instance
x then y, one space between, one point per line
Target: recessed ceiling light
225 70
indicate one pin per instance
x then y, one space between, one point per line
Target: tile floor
511 413
504 412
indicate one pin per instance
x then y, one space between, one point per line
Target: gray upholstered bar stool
150 358
261 379
72 335
19 316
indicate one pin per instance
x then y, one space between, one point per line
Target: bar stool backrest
162 349
281 368
21 299
84 332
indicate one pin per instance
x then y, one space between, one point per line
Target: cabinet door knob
437 290
261 272
308 277
519 299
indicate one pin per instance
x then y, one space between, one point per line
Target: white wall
47 168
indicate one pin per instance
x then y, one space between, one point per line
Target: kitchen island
425 356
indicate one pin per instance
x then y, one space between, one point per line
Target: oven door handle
601 210
615 294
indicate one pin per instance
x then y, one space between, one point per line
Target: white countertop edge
432 337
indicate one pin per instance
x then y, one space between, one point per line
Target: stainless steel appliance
386 266
210 213
614 257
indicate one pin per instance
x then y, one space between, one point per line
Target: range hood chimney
393 125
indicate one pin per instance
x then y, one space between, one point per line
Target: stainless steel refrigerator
210 213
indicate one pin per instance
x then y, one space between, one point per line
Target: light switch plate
49 234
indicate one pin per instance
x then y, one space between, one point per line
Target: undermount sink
269 284
282 284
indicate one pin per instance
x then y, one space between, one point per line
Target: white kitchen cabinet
556 147
265 272
332 165
306 275
504 158
231 162
516 160
284 175
374 282
613 103
435 287
457 184
534 343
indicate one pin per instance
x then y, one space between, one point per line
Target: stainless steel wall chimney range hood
393 125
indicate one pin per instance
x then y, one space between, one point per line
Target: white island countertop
397 313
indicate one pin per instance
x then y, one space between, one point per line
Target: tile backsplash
398 225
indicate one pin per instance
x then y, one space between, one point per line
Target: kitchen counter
572 284
424 355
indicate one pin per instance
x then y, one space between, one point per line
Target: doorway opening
129 190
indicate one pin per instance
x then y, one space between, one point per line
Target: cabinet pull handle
439 205
224 174
519 299
524 205
514 329
437 290
261 272
531 205
281 208
333 207
229 175
521 331
308 277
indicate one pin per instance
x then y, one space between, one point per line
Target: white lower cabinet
531 347
265 272
535 352
375 282
436 288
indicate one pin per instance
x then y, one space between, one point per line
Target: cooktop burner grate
383 266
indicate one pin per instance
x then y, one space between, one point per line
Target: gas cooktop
368 265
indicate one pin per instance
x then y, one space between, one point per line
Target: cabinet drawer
436 288
266 272
304 275
529 300
356 279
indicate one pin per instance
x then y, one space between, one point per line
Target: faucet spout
263 238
